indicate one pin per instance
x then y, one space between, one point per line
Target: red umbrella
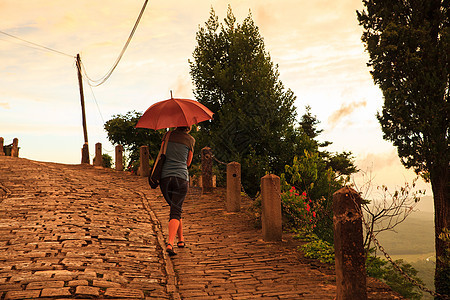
174 112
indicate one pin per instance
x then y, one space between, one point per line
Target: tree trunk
440 187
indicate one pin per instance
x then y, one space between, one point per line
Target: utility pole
85 150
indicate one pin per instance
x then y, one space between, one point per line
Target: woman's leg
174 190
174 226
180 232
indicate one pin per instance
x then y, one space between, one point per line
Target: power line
103 79
40 46
96 103
24 45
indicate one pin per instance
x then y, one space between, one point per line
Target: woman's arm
189 159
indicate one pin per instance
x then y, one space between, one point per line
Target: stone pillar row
347 219
14 148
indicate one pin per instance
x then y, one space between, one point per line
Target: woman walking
174 182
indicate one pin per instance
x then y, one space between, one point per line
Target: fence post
1 147
15 148
207 184
119 158
144 161
98 159
271 208
85 154
348 245
233 187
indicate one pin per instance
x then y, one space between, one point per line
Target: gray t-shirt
177 152
176 158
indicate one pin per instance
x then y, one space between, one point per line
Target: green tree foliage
312 174
318 174
409 46
234 76
254 121
341 163
121 131
308 124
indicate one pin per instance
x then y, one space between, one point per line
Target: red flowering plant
297 210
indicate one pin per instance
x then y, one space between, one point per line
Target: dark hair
183 128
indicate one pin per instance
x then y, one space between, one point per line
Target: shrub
106 160
297 210
376 267
317 249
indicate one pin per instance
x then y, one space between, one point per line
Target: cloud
345 110
182 88
5 105
378 161
385 168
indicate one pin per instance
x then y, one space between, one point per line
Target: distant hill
415 236
426 204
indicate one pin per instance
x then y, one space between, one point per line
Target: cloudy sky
316 45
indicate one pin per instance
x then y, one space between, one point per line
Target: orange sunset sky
316 45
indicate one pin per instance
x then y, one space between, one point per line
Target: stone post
207 183
1 147
85 154
98 159
271 208
233 187
15 148
144 161
348 245
119 158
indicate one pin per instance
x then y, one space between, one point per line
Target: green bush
317 248
317 181
106 160
376 267
392 277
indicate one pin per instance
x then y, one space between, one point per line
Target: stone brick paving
226 257
75 231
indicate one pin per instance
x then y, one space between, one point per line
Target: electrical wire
24 45
100 113
40 47
96 103
98 82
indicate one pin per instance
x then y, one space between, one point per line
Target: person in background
174 182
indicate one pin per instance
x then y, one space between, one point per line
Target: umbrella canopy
174 112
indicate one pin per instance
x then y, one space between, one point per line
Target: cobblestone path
226 257
75 231
71 230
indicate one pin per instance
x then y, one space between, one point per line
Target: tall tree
121 130
234 76
409 46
